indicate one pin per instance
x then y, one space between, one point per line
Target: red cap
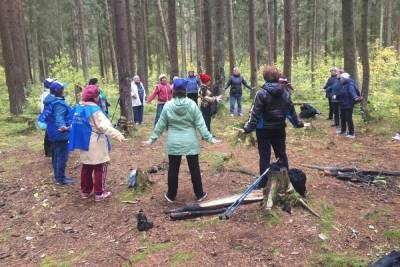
205 78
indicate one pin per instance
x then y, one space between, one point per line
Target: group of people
342 94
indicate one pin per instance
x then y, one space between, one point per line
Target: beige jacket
98 149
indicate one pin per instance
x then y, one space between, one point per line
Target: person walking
235 94
56 113
163 92
183 119
347 97
267 116
46 92
328 90
90 133
207 99
138 94
193 86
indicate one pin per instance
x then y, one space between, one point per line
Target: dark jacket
335 90
347 94
235 82
328 85
270 107
192 87
57 118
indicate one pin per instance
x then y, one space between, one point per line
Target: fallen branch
333 170
242 171
307 207
194 214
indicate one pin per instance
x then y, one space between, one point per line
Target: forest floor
46 225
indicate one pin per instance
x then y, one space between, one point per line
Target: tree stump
142 180
278 186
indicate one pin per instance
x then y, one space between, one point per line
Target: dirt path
42 224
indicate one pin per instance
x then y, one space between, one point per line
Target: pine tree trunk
231 35
100 52
183 40
364 58
146 59
13 70
21 42
252 45
199 35
313 41
268 32
287 64
381 16
219 55
82 40
398 35
275 36
163 25
173 39
326 28
208 42
296 32
142 70
131 35
389 13
124 68
349 41
113 57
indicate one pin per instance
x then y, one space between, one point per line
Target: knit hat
56 86
162 76
334 69
180 84
205 78
90 92
345 75
48 82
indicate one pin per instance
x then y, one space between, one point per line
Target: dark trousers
330 108
100 174
346 120
59 159
336 112
277 139
193 96
173 172
206 111
138 114
47 145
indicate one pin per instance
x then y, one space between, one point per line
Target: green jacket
182 118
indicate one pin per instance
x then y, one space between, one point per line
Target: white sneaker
352 136
202 198
396 137
168 199
232 115
241 114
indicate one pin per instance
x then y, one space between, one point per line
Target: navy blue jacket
235 82
192 87
347 94
328 85
335 90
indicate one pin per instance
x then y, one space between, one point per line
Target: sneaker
341 133
202 198
352 136
396 137
338 131
103 196
68 181
241 114
85 195
170 200
232 115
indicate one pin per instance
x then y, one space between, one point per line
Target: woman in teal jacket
182 118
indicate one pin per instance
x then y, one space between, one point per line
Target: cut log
255 196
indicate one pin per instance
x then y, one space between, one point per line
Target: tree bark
398 35
268 32
13 70
219 55
142 70
82 40
199 35
252 45
275 36
389 15
131 35
364 58
163 26
287 65
183 39
146 59
208 42
100 53
124 68
349 42
173 39
21 42
110 38
313 41
326 28
296 32
231 35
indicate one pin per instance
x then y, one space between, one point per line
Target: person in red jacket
163 91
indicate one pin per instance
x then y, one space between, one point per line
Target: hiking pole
115 110
245 193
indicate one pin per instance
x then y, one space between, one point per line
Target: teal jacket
182 118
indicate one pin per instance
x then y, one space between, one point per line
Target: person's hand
307 125
147 142
121 138
215 141
218 98
64 129
241 130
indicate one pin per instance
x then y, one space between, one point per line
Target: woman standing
163 92
235 95
207 99
182 117
348 97
90 134
138 94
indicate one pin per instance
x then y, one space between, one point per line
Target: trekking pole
229 211
115 110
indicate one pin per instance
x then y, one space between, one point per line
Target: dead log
242 171
335 170
195 214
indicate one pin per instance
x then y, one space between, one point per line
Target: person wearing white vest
138 94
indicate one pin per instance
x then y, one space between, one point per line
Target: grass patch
393 236
340 260
64 260
273 217
375 214
132 194
217 160
181 258
151 248
327 215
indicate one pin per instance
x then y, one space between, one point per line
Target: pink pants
100 173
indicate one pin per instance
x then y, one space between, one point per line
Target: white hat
345 75
162 76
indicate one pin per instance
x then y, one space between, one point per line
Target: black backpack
308 111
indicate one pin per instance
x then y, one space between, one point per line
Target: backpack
308 111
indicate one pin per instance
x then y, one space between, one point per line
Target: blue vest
47 121
81 130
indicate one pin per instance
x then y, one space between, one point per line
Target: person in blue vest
90 133
193 86
58 126
235 95
328 90
348 97
46 92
